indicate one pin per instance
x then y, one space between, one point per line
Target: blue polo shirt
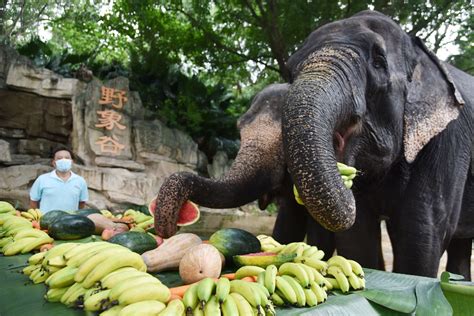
56 194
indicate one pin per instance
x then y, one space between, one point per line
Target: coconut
200 262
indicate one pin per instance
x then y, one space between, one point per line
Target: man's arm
34 204
82 205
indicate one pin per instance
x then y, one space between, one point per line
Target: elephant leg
362 242
291 220
459 257
318 236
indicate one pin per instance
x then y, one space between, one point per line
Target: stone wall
40 110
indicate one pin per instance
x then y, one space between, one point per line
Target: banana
261 278
356 268
318 255
212 307
291 247
345 169
342 263
222 289
146 307
78 259
362 283
35 272
348 184
319 265
286 289
334 283
15 230
308 252
30 233
321 280
29 269
81 249
54 295
277 299
190 298
17 246
354 281
243 305
300 296
341 278
173 308
28 216
198 311
58 250
87 266
311 299
51 269
321 295
123 286
40 277
147 291
126 259
270 278
57 261
87 294
115 278
36 243
246 271
96 301
16 222
294 269
229 307
309 271
299 250
5 241
113 311
247 291
205 289
70 291
265 303
61 278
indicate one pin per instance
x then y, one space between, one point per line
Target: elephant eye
379 62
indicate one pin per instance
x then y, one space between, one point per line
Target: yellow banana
58 250
286 289
40 277
17 246
78 259
198 311
308 252
113 311
311 299
300 296
35 272
243 305
294 269
81 249
205 290
291 247
87 266
61 278
54 295
229 307
113 279
277 299
309 271
126 259
29 269
36 243
37 258
246 271
341 262
28 216
76 287
341 278
148 291
321 295
123 286
173 308
270 278
348 184
318 255
96 301
247 291
354 281
57 261
5 241
345 169
356 268
264 295
333 282
222 289
190 298
319 265
212 307
30 233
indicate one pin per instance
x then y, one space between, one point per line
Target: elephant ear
432 99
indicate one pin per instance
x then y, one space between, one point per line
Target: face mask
63 165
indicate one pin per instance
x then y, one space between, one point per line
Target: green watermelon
234 241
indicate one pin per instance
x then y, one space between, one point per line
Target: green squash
135 241
71 227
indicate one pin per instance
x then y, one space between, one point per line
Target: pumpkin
201 261
169 254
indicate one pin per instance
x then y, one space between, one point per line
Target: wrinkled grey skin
257 172
365 93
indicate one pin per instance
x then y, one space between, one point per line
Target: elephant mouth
342 136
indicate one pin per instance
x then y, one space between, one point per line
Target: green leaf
431 301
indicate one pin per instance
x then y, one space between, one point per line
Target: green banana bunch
205 289
347 273
190 299
222 289
253 293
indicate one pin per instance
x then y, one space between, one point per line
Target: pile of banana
339 272
97 276
33 214
17 235
141 220
236 297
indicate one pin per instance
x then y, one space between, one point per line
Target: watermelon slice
188 214
263 259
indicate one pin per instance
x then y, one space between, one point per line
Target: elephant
365 93
258 172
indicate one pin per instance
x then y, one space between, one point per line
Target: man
60 189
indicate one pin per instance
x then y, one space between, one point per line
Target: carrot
179 290
36 224
230 276
46 247
175 297
250 279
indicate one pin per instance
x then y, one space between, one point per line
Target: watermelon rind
263 259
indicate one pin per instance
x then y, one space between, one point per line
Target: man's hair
60 148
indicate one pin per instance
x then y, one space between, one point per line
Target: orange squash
201 261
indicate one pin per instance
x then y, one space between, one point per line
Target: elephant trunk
252 174
315 116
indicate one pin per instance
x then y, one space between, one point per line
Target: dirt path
388 256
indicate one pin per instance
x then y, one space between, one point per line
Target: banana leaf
460 294
386 294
